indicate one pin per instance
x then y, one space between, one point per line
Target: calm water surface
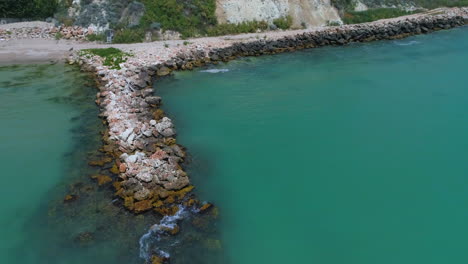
49 131
352 154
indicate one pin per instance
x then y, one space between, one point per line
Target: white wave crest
410 43
154 233
215 70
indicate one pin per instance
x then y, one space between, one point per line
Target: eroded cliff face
303 12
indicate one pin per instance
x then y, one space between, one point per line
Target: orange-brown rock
183 192
143 206
169 141
167 210
205 207
173 231
157 260
129 202
158 114
100 162
169 200
102 179
70 198
190 202
158 203
114 170
122 167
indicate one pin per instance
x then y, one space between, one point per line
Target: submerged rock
102 179
84 238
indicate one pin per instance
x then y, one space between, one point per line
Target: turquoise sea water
353 154
49 130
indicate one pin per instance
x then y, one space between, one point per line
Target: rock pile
71 33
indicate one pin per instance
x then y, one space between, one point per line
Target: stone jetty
142 138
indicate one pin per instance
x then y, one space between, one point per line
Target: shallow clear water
49 131
352 154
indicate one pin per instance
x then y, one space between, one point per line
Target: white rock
126 134
131 159
131 138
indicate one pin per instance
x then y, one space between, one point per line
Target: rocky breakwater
49 32
140 138
381 30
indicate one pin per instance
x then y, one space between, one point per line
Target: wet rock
102 179
114 169
143 206
142 194
70 198
205 207
129 203
159 260
100 162
168 132
163 71
174 230
213 244
153 100
84 238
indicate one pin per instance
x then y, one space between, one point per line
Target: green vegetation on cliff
27 8
376 12
283 22
353 17
190 18
439 3
196 18
230 29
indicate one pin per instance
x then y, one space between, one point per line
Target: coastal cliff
304 13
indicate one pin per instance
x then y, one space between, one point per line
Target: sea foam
215 70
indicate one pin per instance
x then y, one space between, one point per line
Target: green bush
129 36
112 56
96 37
189 17
283 22
230 29
354 17
439 3
27 8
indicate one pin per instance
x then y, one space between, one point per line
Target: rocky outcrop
303 12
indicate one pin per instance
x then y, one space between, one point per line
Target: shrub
129 36
283 22
96 37
58 36
352 17
244 27
112 56
28 8
439 3
190 18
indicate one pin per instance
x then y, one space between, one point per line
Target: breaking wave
216 70
155 233
409 43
